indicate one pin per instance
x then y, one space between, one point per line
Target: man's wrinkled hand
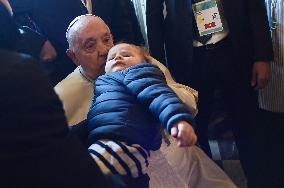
184 133
48 52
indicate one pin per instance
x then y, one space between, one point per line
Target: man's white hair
70 34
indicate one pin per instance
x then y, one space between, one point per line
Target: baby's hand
184 133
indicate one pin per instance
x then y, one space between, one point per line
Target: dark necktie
202 39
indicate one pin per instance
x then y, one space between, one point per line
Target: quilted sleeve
148 83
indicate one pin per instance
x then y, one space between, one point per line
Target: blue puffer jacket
130 105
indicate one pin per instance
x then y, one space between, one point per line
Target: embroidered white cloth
175 167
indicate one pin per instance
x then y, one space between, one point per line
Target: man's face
123 56
92 45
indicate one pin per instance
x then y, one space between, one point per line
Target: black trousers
272 149
216 66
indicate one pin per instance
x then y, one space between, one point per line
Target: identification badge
207 17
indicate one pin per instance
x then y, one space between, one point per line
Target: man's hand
260 74
48 52
184 133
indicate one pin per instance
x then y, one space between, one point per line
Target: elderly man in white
89 41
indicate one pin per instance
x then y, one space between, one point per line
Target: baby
130 102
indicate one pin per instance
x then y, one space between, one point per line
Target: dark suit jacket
8 30
120 16
37 148
247 23
53 18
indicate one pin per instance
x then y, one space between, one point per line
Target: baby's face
122 56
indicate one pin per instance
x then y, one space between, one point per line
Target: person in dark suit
233 57
122 21
52 18
37 147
